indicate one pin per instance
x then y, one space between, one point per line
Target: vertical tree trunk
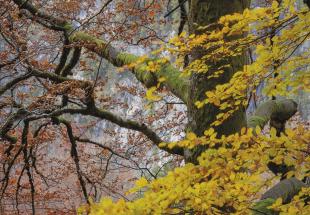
202 13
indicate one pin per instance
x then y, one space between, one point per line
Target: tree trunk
202 13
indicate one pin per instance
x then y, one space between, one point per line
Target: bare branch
13 82
74 60
27 163
103 114
75 157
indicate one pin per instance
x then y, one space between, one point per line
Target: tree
225 153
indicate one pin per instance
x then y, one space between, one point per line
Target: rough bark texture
202 13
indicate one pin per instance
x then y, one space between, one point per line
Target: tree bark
202 13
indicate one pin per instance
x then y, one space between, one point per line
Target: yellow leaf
191 136
258 130
273 132
162 79
150 94
142 182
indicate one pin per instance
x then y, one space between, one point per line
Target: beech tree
214 67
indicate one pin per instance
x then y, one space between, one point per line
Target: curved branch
285 189
54 23
106 115
176 84
275 111
13 82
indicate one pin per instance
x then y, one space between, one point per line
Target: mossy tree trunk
202 13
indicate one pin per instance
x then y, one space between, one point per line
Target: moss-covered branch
285 189
106 115
54 23
175 83
275 111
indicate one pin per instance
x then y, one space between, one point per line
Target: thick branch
285 189
103 114
13 82
54 23
174 82
275 111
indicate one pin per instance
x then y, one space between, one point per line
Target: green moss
173 81
12 139
126 58
261 207
177 84
279 109
68 26
85 37
254 121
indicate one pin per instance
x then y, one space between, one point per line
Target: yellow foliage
230 171
150 94
228 175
